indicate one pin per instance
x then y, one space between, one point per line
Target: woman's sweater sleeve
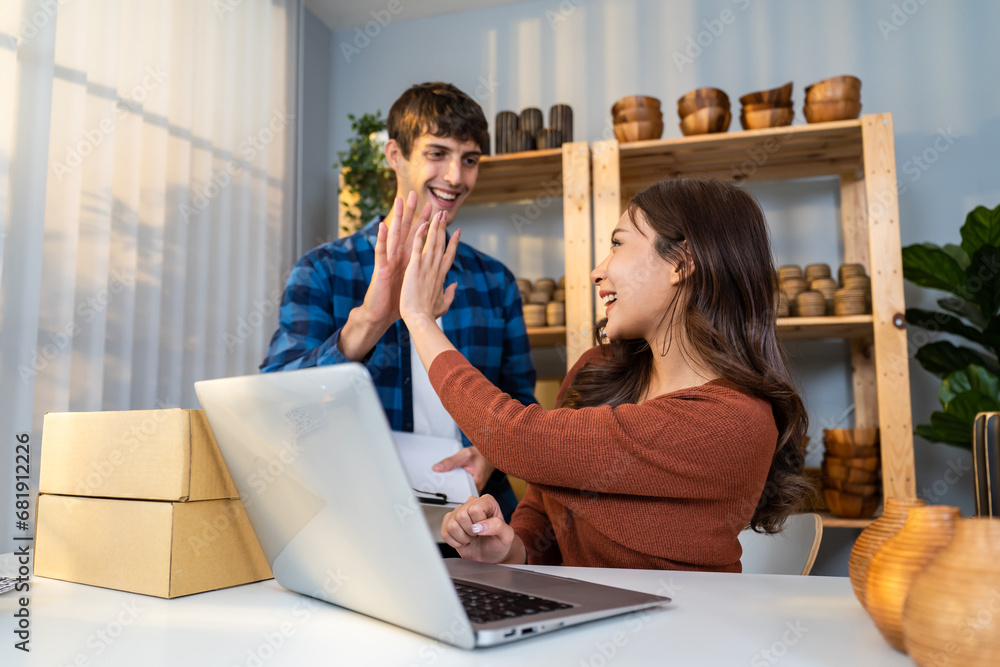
532 525
708 435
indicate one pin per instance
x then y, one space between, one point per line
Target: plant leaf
942 358
956 383
982 227
968 404
946 429
983 382
962 308
928 265
943 322
983 279
991 335
956 253
973 378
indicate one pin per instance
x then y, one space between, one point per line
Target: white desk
716 619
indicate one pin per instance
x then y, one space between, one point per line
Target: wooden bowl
774 96
850 506
853 488
638 113
825 112
789 271
759 119
843 441
793 286
853 475
639 130
632 101
809 303
706 120
699 98
835 88
869 463
814 271
534 314
758 106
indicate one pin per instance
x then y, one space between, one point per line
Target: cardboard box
166 549
153 454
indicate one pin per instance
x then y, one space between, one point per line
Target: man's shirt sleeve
308 326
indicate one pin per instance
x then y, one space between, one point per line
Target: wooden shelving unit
860 153
559 172
817 328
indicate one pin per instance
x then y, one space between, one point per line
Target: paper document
418 453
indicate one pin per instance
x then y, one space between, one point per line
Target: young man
342 301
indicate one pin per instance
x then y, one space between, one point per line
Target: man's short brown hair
440 109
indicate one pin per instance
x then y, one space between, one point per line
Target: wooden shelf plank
830 521
519 177
795 151
818 328
546 336
789 328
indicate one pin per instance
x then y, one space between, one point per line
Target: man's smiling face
441 170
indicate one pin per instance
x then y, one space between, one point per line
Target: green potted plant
367 176
970 274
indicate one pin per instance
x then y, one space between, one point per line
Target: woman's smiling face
635 282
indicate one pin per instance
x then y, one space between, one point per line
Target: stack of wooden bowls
836 98
637 118
791 283
818 277
517 133
852 479
703 111
543 301
855 294
767 108
816 293
784 310
561 121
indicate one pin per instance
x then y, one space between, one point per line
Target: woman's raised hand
422 293
477 530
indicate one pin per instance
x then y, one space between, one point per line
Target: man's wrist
360 334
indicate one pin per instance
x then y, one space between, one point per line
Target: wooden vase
873 537
952 615
894 567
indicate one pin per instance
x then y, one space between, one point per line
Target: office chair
792 551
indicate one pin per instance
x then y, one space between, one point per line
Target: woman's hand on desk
470 460
477 530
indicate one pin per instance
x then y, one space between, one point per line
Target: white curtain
147 202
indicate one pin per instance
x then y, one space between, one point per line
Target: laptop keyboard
485 604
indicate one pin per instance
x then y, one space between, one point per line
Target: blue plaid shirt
484 322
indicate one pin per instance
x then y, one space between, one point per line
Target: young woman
672 437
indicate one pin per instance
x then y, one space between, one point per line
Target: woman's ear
685 265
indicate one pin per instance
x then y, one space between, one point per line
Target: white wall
932 64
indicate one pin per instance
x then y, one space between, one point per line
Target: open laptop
312 456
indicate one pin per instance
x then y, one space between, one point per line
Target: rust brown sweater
668 484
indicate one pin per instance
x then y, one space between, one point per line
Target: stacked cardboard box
141 501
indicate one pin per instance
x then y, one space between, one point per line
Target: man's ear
393 154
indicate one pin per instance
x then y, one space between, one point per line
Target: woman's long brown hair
728 311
